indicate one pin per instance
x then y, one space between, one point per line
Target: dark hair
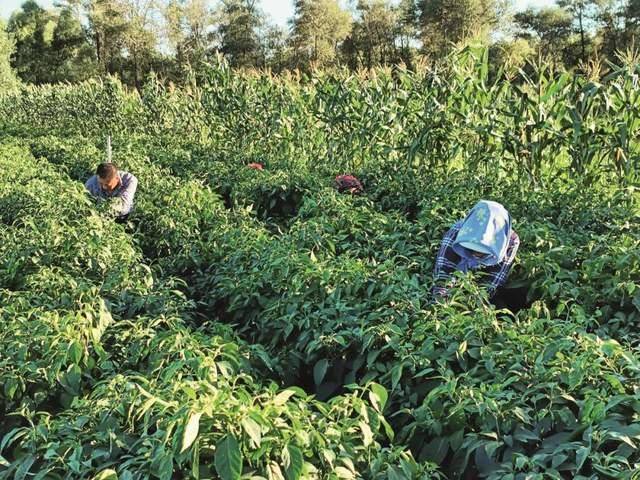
106 171
348 183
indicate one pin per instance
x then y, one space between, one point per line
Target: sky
279 10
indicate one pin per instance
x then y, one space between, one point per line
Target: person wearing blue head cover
484 240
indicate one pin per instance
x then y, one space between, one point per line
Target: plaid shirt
447 261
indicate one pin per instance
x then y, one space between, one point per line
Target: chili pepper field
256 324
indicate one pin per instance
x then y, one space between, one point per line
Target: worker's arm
445 261
499 276
130 184
92 186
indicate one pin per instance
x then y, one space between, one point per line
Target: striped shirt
125 191
446 263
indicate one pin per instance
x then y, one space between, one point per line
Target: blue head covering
486 229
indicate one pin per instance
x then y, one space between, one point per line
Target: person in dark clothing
348 184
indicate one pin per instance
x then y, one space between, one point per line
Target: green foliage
90 328
239 33
72 56
176 39
319 26
538 125
550 26
257 323
446 23
373 36
50 46
8 78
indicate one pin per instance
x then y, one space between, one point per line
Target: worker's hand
115 207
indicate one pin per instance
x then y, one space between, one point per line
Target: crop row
103 372
337 294
534 126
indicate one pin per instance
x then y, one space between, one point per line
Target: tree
632 19
273 40
51 46
582 12
8 78
319 27
611 18
32 28
508 56
141 37
126 35
407 29
190 31
550 27
239 33
108 26
446 22
373 36
72 56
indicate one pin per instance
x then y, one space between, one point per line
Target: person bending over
109 183
483 241
348 184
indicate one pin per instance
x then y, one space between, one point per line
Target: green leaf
378 396
558 460
320 370
387 428
485 463
71 380
342 472
283 396
228 458
435 451
610 347
581 456
394 473
191 431
11 387
296 463
25 466
254 431
75 351
225 369
195 462
162 464
622 437
367 435
456 439
107 474
12 436
396 374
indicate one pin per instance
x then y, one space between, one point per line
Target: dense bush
257 324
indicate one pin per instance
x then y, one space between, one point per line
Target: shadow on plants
514 297
225 194
278 203
411 211
269 203
326 379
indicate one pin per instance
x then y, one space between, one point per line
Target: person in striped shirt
111 183
484 241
